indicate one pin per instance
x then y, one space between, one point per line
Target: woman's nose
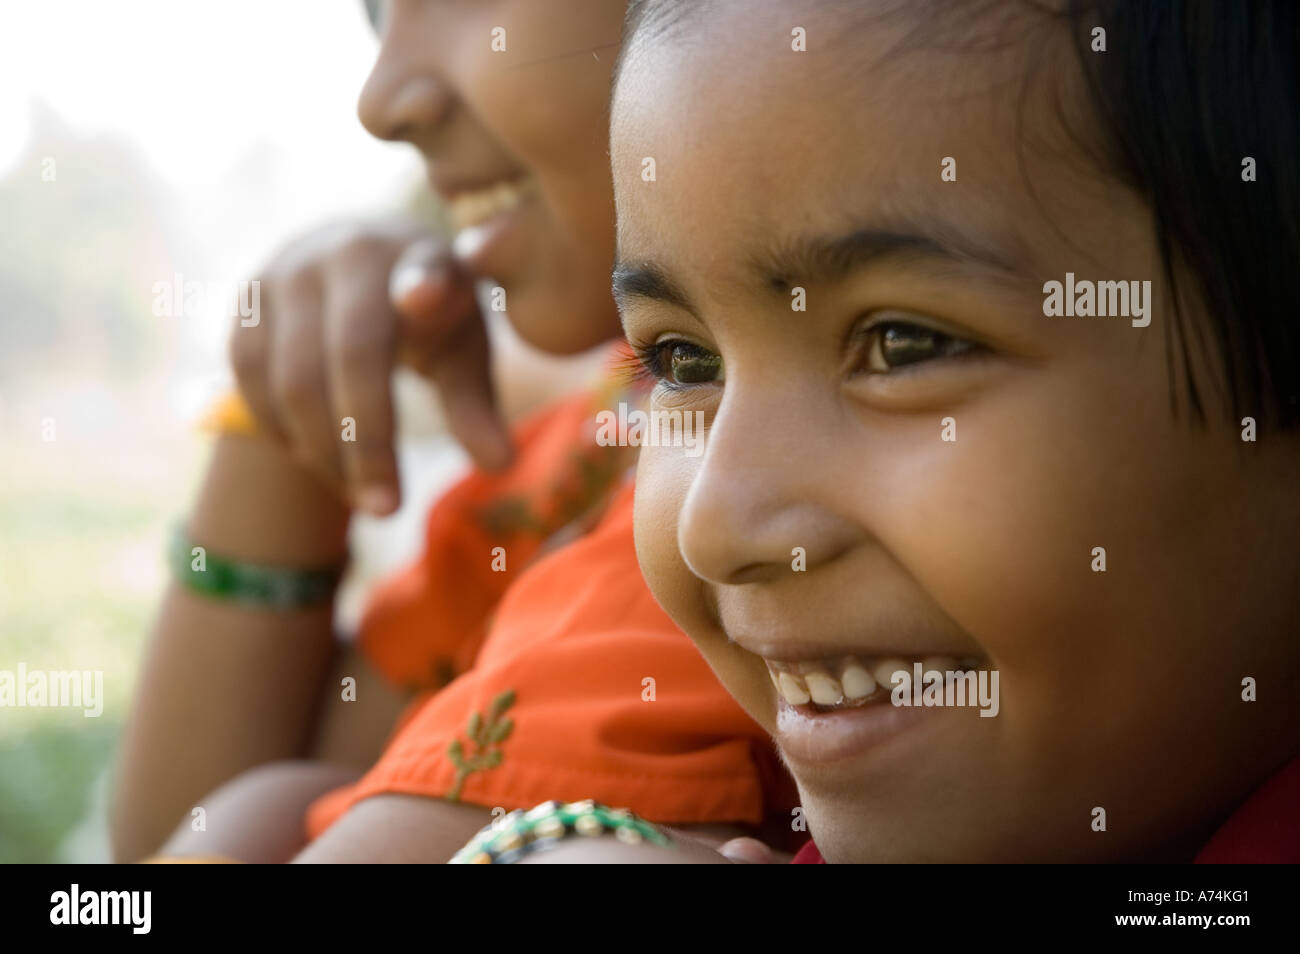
405 92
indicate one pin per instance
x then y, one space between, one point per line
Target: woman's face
516 143
829 526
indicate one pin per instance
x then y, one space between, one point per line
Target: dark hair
1186 91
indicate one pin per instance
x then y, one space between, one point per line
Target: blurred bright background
138 139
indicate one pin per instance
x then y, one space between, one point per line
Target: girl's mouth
851 681
839 707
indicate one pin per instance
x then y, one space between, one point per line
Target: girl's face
515 141
829 527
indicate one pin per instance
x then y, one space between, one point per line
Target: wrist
272 587
519 834
258 504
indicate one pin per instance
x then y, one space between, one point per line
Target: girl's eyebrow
822 259
647 281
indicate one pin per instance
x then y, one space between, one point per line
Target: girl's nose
758 507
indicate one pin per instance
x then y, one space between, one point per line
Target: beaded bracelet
266 587
519 833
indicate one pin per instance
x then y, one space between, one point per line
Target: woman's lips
487 223
472 207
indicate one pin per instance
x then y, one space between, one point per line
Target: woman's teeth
474 208
851 680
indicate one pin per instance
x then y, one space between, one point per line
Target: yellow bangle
229 415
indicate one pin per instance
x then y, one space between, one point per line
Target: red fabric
574 638
808 855
426 624
1265 830
608 698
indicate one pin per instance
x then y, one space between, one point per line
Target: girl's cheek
664 476
661 487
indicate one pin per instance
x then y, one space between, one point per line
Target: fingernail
468 241
377 500
408 278
746 851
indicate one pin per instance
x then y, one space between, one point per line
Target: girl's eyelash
966 347
651 364
643 364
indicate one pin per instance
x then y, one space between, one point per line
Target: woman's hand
339 310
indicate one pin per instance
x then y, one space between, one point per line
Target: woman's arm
225 687
611 851
257 818
404 829
397 829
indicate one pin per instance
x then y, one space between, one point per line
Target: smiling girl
920 466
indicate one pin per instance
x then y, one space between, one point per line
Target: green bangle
512 836
266 587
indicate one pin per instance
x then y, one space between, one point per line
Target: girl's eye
679 362
691 364
896 344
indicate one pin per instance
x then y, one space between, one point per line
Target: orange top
563 677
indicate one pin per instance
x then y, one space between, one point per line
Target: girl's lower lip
491 249
814 738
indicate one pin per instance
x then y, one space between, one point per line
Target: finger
433 297
428 305
461 370
420 283
746 851
250 359
444 338
361 336
299 380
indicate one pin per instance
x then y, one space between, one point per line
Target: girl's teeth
853 680
824 690
885 669
941 663
857 682
792 690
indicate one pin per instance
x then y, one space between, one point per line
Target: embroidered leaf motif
500 704
486 735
